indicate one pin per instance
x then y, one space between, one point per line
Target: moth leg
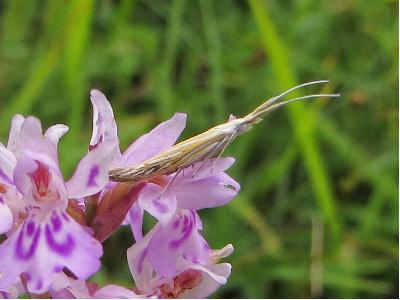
216 153
205 159
231 138
170 183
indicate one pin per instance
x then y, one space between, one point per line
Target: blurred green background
318 211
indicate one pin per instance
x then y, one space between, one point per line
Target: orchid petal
156 141
42 248
207 192
104 126
55 132
135 219
213 277
64 287
13 291
205 169
38 181
91 175
139 265
179 238
14 142
6 217
115 292
7 164
222 253
159 203
33 141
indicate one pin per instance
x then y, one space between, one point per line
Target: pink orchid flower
205 185
43 240
175 261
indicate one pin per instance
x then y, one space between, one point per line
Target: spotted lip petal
180 238
152 283
42 248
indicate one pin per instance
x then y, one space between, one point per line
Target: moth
207 145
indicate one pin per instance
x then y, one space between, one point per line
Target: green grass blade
210 26
285 77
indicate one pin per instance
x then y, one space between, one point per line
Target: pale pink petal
64 287
64 294
6 217
205 169
157 202
13 291
104 126
34 142
14 142
42 248
135 219
159 139
208 192
222 253
179 238
7 164
139 265
115 292
213 277
55 132
91 175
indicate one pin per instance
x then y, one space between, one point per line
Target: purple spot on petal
39 284
55 222
175 224
5 177
188 229
94 172
5 295
25 254
1 200
63 248
30 228
206 246
185 223
160 207
91 147
141 261
58 269
65 216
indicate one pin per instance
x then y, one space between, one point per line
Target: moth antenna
256 115
278 105
276 98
